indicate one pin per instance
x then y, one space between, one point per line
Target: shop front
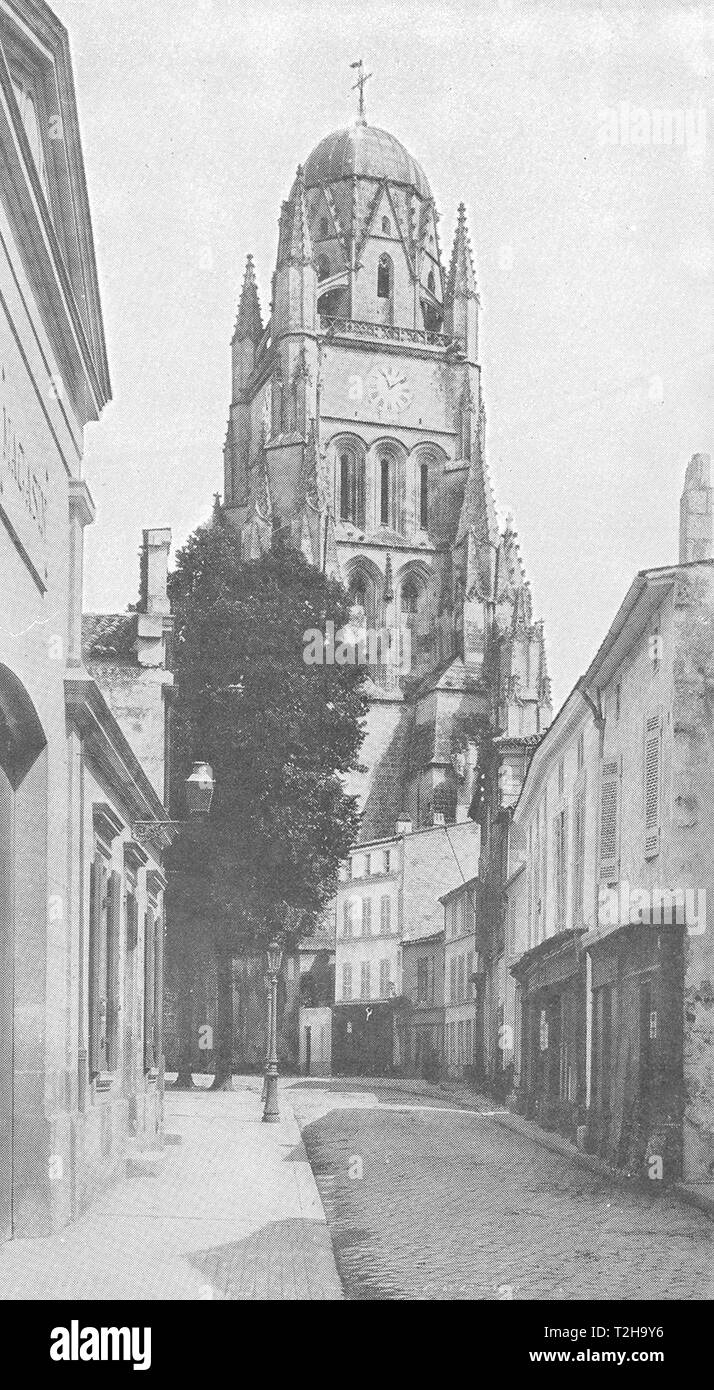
634 1117
552 986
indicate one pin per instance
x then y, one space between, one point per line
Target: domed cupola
373 225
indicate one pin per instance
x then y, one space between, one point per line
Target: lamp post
271 1113
268 1017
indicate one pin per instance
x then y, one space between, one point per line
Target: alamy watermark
359 646
643 127
620 905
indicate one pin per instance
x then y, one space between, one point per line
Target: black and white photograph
356 665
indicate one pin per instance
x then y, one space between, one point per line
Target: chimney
154 606
696 536
404 824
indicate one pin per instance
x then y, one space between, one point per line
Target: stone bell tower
357 425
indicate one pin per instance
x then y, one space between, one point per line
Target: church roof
364 151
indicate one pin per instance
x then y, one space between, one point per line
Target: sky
580 138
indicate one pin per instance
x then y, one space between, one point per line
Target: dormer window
431 283
386 227
323 268
324 227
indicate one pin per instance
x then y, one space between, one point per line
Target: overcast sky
592 240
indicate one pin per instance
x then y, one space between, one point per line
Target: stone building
357 426
388 897
71 786
612 909
421 1024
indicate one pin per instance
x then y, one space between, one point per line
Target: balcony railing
384 332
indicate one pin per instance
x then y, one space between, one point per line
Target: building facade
79 896
389 895
615 922
421 1024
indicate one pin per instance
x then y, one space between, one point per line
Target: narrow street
424 1202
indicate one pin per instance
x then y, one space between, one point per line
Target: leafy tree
280 735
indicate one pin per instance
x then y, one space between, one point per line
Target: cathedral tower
357 426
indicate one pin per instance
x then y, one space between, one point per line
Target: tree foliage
280 735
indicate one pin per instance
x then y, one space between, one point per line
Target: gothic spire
478 510
461 280
249 323
295 240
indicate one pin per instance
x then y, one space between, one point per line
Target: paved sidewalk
233 1213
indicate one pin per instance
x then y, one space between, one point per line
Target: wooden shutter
96 896
366 916
578 854
652 774
609 857
149 963
113 932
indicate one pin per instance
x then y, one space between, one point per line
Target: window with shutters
105 916
609 828
423 980
579 855
365 983
347 982
384 979
366 916
560 868
452 980
461 983
385 915
150 1040
652 780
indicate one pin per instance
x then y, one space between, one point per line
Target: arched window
324 227
352 491
431 282
386 227
424 496
384 278
323 267
385 490
410 596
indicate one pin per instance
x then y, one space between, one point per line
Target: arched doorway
22 839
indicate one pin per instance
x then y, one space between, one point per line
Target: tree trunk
184 1079
223 1079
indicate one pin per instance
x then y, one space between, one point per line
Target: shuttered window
105 893
149 991
383 979
578 854
385 913
365 987
652 780
560 867
609 830
366 916
97 967
347 982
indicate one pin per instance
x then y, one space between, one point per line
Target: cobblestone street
427 1201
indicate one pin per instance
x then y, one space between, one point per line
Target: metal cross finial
362 77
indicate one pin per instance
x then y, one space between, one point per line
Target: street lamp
268 1012
199 795
271 1113
199 789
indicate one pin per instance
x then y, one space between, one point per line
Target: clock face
388 389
